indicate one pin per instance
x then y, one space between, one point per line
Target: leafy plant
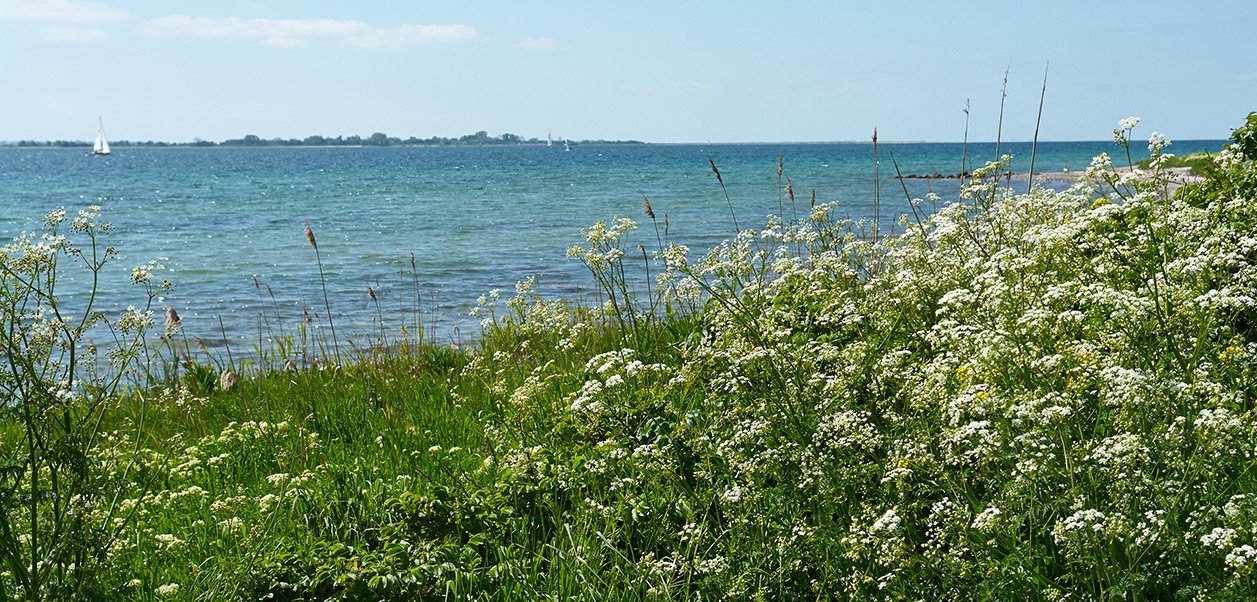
55 510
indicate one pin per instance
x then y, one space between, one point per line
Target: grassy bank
1024 396
1197 162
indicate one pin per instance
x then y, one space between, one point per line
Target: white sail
101 146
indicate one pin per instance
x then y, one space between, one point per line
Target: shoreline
1179 176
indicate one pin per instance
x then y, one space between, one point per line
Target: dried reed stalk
781 164
877 190
964 148
650 212
323 280
911 205
999 129
729 201
1034 147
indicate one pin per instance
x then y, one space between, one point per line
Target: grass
1024 396
1197 162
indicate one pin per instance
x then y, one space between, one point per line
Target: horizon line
31 143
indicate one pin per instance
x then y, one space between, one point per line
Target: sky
655 71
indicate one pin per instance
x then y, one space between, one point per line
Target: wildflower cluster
1055 381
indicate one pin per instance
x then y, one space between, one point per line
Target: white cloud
538 43
60 11
290 33
60 33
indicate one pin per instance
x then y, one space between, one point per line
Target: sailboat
101 146
567 147
549 140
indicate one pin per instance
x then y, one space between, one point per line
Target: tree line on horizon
480 138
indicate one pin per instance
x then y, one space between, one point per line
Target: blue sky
672 71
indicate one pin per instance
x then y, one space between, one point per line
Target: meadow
1030 395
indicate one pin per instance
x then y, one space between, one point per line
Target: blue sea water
474 218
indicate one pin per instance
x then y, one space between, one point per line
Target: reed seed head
307 318
813 198
371 293
310 237
781 163
649 211
228 380
172 319
790 190
716 171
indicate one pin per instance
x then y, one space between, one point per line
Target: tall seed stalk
414 275
650 212
999 129
721 180
877 190
323 280
1034 147
781 163
964 149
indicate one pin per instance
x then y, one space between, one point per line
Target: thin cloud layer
538 43
60 11
78 35
291 33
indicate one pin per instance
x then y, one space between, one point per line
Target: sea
228 223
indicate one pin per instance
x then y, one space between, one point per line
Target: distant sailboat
567 147
549 140
101 146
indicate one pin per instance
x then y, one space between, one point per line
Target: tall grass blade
721 180
1034 147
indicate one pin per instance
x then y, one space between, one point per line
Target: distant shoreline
32 144
152 144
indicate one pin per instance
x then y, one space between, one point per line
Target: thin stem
328 305
877 190
999 130
721 180
231 363
911 205
964 147
1034 147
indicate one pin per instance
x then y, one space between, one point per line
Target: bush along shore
1023 396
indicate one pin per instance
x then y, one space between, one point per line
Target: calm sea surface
474 218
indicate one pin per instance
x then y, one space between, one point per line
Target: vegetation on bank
1197 162
1024 396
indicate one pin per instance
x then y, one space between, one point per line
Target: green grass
1039 396
1198 162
